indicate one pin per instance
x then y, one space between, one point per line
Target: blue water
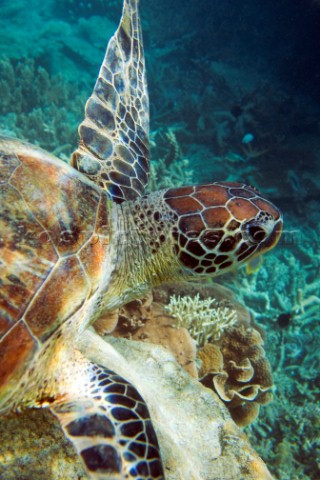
237 86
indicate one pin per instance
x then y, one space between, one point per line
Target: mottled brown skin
53 247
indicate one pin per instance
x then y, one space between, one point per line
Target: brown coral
147 321
239 372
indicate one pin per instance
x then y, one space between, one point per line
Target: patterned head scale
221 225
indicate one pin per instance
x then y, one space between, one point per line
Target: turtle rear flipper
111 429
113 148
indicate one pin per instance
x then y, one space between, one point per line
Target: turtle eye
256 233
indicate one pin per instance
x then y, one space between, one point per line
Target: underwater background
234 95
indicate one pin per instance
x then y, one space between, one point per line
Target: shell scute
102 221
48 213
62 295
93 257
17 350
25 259
62 203
9 162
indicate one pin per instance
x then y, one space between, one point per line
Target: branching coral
287 433
205 320
37 107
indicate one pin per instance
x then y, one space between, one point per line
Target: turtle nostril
256 233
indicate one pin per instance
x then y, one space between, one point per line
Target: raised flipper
113 148
111 429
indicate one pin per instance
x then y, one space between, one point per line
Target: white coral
205 320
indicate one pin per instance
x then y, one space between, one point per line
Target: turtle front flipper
113 148
111 429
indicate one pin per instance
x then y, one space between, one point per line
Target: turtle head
197 230
219 226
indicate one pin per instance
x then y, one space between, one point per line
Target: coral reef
230 347
285 430
225 341
288 426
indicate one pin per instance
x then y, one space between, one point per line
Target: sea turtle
79 240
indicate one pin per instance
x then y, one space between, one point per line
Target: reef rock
197 436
